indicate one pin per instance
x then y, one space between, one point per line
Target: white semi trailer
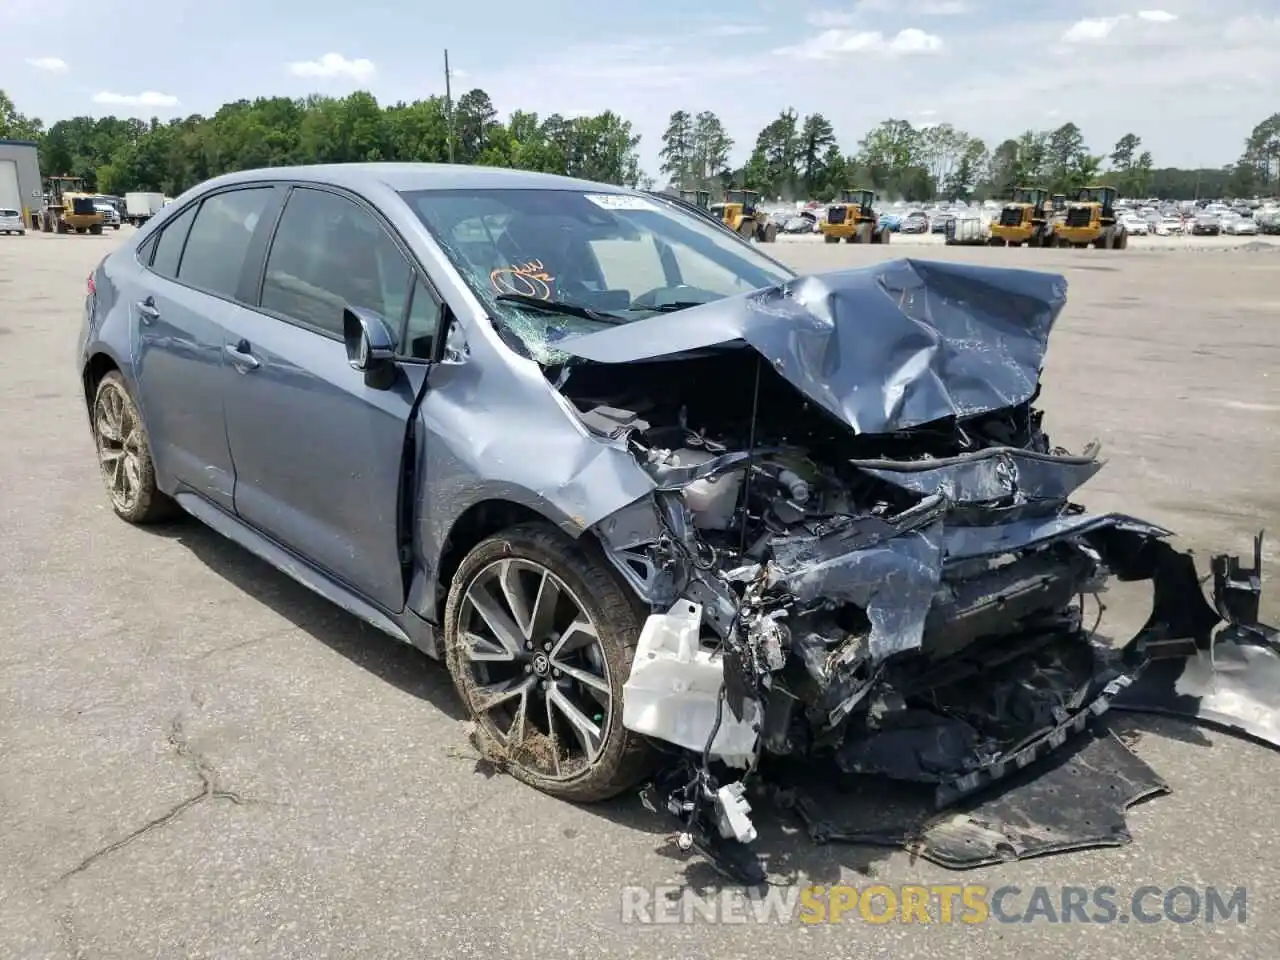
141 207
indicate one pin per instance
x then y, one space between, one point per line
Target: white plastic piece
672 691
733 813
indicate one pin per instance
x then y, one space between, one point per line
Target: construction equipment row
1035 218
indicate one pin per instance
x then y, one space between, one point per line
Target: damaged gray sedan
670 513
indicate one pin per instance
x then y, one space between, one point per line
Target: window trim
198 203
416 270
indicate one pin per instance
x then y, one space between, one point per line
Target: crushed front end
861 551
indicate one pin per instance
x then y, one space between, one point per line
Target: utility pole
448 102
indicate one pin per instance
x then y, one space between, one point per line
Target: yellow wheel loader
1090 220
852 218
740 212
699 198
68 207
1026 219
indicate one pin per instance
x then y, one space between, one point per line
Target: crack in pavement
209 790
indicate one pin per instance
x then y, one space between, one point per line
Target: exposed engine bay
917 603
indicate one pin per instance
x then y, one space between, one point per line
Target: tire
115 226
828 238
146 504
862 233
624 758
1121 241
96 229
885 235
771 233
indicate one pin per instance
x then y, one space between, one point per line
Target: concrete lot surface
200 759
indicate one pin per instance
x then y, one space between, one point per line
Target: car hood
883 348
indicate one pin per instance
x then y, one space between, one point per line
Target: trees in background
121 155
800 158
794 156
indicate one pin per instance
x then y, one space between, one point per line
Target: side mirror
371 346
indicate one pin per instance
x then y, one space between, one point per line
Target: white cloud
834 43
1157 16
1093 29
829 18
51 64
148 98
922 8
458 74
333 65
735 30
912 40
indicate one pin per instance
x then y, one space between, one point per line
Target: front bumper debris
1065 788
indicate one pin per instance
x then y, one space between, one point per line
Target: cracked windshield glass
552 264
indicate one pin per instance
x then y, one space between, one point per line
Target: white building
20 184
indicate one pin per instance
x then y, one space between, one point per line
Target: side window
328 254
219 240
169 246
420 327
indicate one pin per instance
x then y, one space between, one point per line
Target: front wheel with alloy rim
124 454
539 639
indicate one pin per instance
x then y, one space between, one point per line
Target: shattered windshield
604 258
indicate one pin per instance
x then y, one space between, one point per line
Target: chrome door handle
241 357
147 310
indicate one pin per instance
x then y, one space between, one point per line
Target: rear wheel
861 234
539 639
1121 239
770 233
829 238
96 229
124 455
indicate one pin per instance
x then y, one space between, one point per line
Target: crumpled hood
883 348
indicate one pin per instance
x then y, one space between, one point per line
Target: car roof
418 176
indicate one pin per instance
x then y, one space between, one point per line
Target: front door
317 453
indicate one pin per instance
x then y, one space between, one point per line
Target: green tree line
793 156
118 155
800 158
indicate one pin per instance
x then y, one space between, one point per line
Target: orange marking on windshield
529 279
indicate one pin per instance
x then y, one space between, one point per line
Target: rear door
192 275
317 453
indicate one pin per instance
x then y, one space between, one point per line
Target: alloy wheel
119 439
536 674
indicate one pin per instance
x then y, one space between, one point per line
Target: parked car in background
11 221
1206 225
890 221
916 221
1268 221
803 222
110 213
1135 226
1237 226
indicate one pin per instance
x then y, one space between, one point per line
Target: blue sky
1189 76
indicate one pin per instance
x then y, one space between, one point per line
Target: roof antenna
751 456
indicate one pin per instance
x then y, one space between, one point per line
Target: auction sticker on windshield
620 201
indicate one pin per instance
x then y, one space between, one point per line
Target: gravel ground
200 759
